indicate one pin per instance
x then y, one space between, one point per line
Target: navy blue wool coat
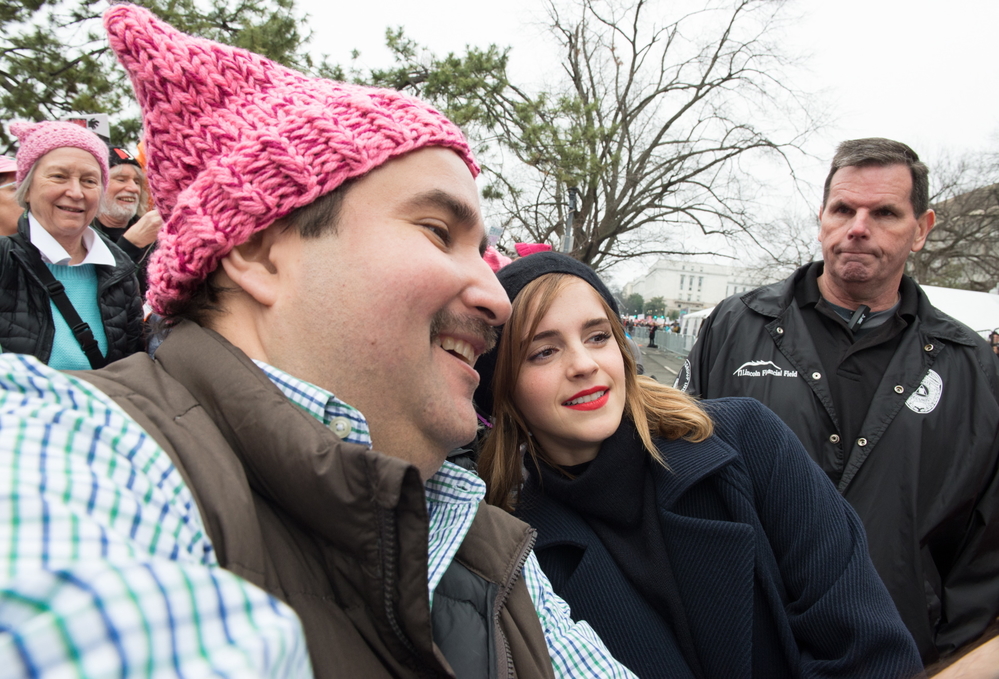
770 562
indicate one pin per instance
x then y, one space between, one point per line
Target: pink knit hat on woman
235 141
37 139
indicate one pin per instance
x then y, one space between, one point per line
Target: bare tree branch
962 250
650 126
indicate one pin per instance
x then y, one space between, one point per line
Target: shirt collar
343 420
807 287
910 298
54 253
454 485
450 486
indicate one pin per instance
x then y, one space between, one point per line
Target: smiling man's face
391 311
121 200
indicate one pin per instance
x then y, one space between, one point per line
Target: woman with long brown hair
698 539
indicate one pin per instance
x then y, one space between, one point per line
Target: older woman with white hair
67 295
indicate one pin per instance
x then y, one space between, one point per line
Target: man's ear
251 265
925 222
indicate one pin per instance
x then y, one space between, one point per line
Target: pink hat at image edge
7 164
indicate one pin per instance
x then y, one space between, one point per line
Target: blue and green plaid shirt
106 568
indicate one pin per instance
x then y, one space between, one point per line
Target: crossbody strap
57 293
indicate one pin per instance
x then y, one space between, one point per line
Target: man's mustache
446 322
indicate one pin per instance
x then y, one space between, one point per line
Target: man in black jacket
896 401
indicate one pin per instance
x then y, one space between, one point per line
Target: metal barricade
678 344
666 340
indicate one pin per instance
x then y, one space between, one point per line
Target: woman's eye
542 354
600 337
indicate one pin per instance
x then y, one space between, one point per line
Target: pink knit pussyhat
235 142
525 249
37 139
495 259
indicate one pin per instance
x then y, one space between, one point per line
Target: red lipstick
589 405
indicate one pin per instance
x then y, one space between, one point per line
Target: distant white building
692 285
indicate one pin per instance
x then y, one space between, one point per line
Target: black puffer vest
26 325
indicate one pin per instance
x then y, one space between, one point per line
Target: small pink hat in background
37 139
495 259
235 141
525 249
7 164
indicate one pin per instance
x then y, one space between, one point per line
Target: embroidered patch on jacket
684 375
927 395
763 369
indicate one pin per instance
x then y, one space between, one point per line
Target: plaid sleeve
105 566
575 648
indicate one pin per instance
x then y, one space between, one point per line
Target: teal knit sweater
81 288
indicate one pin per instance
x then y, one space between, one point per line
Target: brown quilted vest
335 530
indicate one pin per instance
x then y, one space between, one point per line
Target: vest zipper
389 556
504 593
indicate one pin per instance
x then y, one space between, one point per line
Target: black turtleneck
615 494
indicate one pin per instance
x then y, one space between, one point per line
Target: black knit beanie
514 277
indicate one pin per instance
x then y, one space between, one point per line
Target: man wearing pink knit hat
269 495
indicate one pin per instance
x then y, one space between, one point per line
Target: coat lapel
712 559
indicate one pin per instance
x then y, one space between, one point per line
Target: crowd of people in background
80 228
211 464
69 296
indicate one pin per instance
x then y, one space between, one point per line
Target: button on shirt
106 566
322 405
853 363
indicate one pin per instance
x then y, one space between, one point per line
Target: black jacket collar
773 301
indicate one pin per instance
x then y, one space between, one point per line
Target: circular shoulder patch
682 380
927 395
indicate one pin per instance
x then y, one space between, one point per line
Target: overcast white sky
921 71
924 72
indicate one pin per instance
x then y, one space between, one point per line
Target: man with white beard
123 216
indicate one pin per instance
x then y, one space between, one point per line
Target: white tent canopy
690 323
977 310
